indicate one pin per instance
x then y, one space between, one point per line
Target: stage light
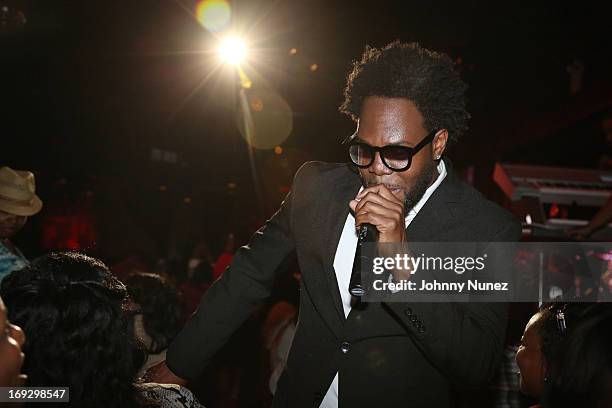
233 50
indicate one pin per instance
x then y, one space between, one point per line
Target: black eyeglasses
396 158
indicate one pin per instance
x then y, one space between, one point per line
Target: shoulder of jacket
486 213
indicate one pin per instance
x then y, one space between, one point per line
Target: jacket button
408 312
414 319
421 329
345 347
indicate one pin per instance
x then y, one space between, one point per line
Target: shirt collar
430 190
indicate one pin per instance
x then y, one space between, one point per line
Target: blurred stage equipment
550 200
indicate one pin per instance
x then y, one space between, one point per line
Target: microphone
367 234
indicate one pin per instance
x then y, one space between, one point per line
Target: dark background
94 93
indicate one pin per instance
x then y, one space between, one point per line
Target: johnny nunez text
472 285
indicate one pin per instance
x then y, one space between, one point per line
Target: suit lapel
344 190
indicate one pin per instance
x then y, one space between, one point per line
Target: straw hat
17 192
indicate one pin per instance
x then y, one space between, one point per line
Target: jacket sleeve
463 340
234 296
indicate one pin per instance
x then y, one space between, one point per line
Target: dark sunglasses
396 158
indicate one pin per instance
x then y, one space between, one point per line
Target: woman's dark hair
548 325
160 308
580 371
580 357
407 70
70 307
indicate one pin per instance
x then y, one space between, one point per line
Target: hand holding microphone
376 205
379 217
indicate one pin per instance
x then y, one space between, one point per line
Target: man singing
409 106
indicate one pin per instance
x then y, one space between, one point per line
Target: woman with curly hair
565 358
73 312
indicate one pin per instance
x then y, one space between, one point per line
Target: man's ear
439 143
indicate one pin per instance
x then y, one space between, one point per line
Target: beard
420 187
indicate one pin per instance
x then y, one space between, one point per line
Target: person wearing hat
18 201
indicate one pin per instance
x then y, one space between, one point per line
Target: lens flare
214 15
265 118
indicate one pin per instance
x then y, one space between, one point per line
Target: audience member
134 262
18 201
200 254
279 326
11 341
72 310
191 291
278 332
582 373
226 256
561 355
159 314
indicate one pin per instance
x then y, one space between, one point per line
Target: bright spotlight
233 50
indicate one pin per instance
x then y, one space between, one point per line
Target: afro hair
407 70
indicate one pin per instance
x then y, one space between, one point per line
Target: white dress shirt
343 265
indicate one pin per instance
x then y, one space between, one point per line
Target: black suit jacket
399 354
